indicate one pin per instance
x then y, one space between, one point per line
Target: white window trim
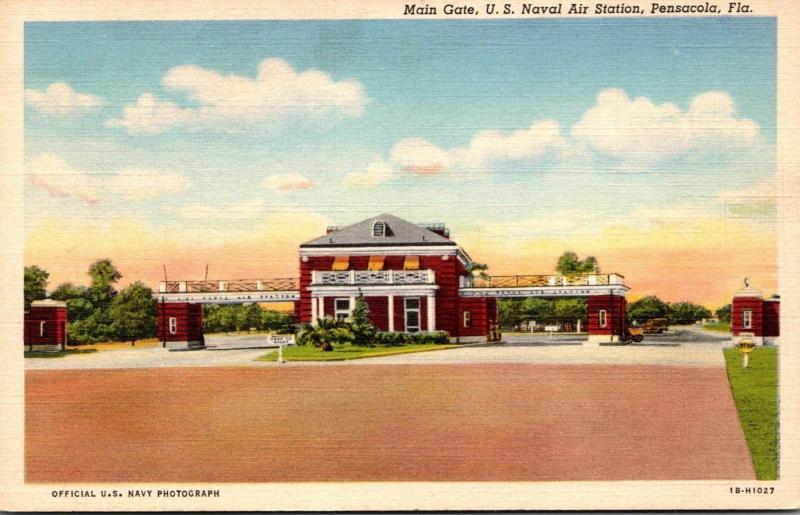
602 318
42 326
747 319
337 311
382 228
173 325
407 310
467 319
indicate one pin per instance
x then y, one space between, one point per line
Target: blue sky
473 123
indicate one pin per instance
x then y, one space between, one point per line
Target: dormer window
378 229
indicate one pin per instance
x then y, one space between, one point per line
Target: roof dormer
379 229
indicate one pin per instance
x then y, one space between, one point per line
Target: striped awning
375 263
411 263
341 263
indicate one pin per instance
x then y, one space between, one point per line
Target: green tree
327 332
570 310
277 321
478 269
569 264
647 308
35 287
79 306
681 313
104 275
724 313
133 313
361 325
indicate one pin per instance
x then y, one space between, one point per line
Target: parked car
655 326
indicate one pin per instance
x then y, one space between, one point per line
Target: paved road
679 347
476 422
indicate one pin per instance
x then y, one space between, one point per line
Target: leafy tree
35 284
478 269
79 306
247 317
647 308
569 310
277 321
327 332
569 263
104 275
361 325
681 313
133 312
724 313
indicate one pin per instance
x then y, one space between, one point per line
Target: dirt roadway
484 422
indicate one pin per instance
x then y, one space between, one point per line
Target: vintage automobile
655 326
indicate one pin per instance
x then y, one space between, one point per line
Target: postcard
399 256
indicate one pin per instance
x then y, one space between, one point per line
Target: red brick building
754 317
408 274
45 325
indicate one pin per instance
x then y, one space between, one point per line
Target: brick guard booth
45 326
754 317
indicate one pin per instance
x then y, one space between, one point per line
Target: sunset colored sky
648 143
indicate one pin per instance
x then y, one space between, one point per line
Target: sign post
281 340
746 346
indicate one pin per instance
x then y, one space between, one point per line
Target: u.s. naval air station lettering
571 9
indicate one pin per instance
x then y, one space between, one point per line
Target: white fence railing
367 277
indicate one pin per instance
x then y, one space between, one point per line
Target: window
375 263
378 229
341 309
467 319
411 263
173 325
42 325
747 319
412 314
602 318
341 263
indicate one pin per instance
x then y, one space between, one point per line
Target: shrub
422 337
361 325
326 333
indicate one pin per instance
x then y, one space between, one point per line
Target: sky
648 143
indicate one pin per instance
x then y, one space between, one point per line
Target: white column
352 305
431 313
579 326
390 312
314 313
321 308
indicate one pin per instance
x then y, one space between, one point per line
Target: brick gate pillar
606 314
180 325
747 315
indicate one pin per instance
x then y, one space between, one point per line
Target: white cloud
640 132
277 94
419 157
150 115
288 182
60 99
138 185
52 174
490 147
377 172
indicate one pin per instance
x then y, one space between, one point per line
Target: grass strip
755 392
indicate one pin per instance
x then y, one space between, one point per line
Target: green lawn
349 351
755 391
56 354
723 327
